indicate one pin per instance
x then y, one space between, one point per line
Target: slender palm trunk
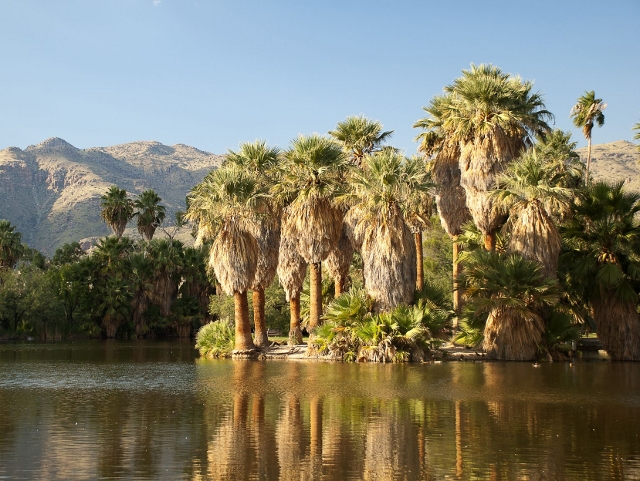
259 320
490 242
295 334
457 292
588 160
339 282
315 294
243 327
419 260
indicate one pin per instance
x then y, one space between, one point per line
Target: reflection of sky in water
155 411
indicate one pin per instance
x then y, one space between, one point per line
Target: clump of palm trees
267 210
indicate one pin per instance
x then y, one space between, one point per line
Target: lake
154 410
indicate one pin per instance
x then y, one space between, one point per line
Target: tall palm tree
587 111
262 160
11 248
418 210
117 209
636 136
492 116
313 171
149 212
292 270
224 208
166 264
512 294
382 190
532 192
450 196
360 136
604 241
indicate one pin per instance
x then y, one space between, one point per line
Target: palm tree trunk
295 334
588 160
490 242
315 294
339 286
315 430
259 320
457 292
419 260
243 327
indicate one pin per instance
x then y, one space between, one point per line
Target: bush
216 339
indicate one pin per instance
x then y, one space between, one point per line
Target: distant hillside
614 162
51 191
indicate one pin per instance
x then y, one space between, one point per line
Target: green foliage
351 332
11 248
215 339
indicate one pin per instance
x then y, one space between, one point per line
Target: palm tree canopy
256 157
224 206
558 151
229 193
636 136
149 212
117 209
11 248
360 136
603 238
530 179
388 184
587 111
487 102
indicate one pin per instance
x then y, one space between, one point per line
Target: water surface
153 410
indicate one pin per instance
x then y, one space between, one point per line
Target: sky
212 74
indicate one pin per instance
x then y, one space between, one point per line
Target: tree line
538 251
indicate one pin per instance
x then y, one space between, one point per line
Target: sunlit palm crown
388 184
360 136
587 112
225 194
256 157
486 102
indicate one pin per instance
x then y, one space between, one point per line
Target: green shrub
216 339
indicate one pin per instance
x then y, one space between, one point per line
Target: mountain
51 191
614 162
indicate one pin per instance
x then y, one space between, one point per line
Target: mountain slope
51 191
614 162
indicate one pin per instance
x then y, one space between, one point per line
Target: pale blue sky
212 74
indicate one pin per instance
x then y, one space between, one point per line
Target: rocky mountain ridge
51 191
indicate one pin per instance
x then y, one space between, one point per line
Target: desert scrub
215 339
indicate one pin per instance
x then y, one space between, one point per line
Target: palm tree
561 160
382 190
261 161
117 209
636 136
224 208
450 196
149 212
531 191
511 293
11 248
492 116
604 240
141 289
418 211
360 136
166 263
312 177
585 112
292 270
